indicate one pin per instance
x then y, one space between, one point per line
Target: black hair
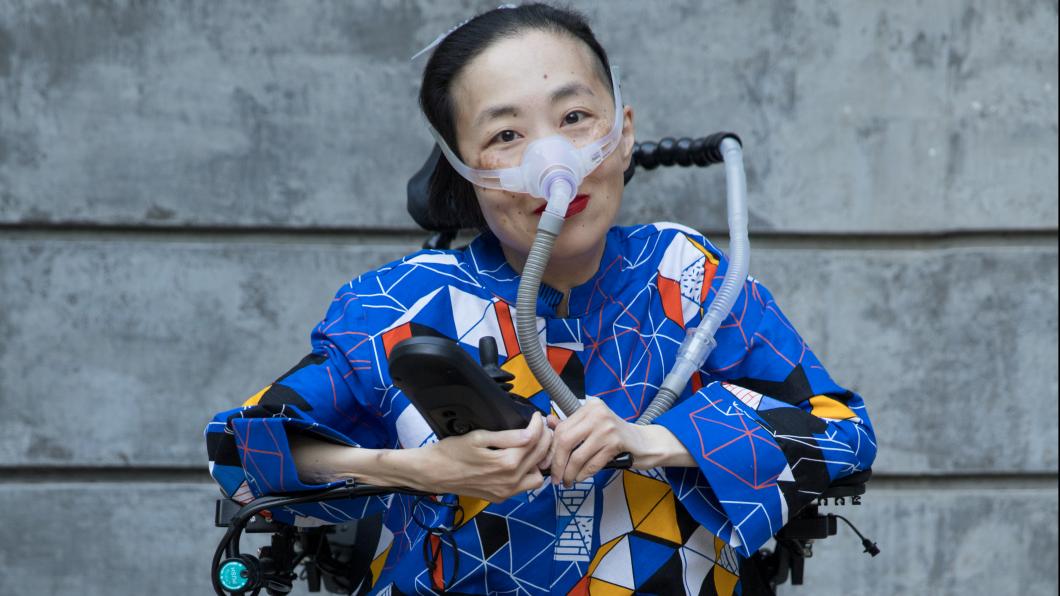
452 200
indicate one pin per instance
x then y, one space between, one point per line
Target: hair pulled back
452 199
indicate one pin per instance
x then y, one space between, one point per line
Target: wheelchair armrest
225 509
848 486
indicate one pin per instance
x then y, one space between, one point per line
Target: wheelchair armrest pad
848 486
224 509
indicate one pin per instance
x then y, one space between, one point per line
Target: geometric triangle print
642 494
647 555
667 579
616 567
661 522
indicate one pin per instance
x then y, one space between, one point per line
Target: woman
761 430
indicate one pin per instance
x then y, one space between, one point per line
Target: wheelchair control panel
455 394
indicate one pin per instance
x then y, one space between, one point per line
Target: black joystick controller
487 355
455 394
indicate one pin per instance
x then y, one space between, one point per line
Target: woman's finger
541 446
595 464
593 447
566 438
508 439
531 481
546 461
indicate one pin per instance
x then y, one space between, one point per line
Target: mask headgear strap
442 37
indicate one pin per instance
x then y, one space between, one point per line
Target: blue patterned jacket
766 424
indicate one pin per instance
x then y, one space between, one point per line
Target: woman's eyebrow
564 92
495 112
571 89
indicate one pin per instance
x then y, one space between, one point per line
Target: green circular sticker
234 575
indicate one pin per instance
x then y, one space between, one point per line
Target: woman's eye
574 117
506 136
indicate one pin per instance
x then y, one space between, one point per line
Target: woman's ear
628 136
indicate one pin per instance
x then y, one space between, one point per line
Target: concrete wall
183 185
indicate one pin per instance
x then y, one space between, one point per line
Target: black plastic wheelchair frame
337 558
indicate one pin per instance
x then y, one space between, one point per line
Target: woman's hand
589 439
489 465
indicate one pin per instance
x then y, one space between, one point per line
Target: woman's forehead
526 70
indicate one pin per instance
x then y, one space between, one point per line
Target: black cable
432 557
870 546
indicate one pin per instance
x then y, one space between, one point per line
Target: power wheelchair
336 558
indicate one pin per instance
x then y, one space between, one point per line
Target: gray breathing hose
698 345
526 315
694 349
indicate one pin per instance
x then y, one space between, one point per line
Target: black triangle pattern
493 533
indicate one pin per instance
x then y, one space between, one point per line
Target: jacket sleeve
321 396
766 424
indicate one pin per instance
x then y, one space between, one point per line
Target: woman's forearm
319 462
659 447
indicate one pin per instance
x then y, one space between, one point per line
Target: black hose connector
644 155
685 152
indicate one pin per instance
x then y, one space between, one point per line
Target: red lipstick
576 206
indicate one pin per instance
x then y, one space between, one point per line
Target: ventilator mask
545 162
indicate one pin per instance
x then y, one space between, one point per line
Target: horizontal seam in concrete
923 240
185 475
109 474
993 482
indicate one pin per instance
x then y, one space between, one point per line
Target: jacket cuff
735 493
265 453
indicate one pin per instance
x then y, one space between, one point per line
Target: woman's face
524 88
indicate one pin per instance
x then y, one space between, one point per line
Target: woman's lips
576 206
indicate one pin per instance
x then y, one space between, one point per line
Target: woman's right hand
494 466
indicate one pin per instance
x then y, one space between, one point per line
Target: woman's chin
578 242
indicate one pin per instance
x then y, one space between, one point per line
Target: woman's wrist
320 462
390 467
657 447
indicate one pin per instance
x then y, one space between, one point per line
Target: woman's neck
562 274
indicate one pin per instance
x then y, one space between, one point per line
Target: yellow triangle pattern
377 564
254 399
472 506
703 250
598 587
525 383
662 521
833 409
724 580
642 494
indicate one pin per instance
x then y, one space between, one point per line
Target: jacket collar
487 263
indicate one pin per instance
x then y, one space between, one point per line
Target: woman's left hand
589 439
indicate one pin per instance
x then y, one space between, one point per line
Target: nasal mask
552 167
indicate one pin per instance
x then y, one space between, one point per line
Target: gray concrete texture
250 114
184 185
